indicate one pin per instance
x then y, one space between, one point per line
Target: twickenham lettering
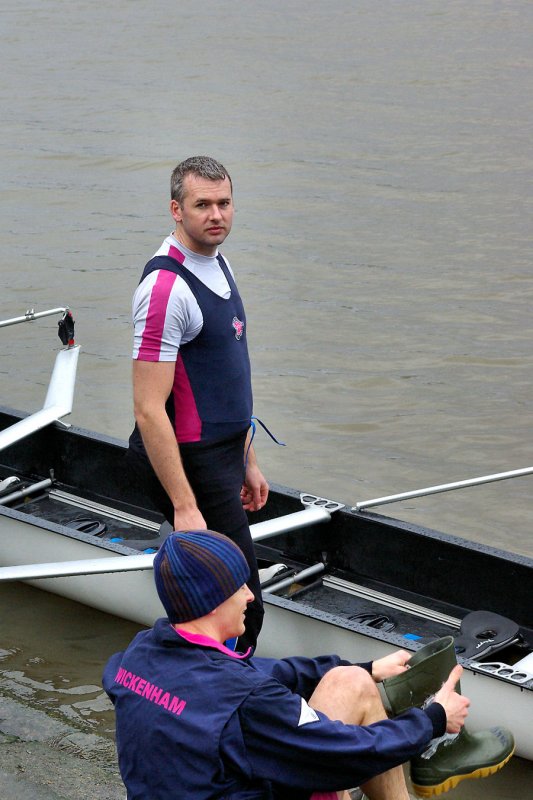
150 691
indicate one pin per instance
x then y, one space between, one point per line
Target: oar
289 522
143 561
88 566
445 487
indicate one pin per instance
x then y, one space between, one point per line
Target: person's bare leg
350 695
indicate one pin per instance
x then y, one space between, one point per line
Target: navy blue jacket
217 724
196 720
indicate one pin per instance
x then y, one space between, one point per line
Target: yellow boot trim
451 783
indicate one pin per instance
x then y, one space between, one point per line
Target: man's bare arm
152 384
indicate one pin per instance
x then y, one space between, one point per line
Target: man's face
205 217
230 614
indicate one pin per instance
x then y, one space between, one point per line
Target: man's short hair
202 167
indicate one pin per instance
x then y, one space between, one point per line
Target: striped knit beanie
195 571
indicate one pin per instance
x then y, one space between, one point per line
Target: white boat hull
132 596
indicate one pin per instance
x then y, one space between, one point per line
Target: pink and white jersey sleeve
165 315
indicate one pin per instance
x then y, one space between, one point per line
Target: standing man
192 390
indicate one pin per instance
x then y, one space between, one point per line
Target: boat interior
369 572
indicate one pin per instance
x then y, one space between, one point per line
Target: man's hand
189 520
455 705
391 665
254 491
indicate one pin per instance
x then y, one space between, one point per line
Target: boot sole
453 780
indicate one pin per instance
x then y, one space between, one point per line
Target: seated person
196 720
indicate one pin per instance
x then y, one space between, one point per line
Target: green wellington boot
454 757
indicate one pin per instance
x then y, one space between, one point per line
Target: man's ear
175 210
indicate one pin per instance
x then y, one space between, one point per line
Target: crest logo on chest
238 326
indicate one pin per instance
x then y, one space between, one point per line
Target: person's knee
351 681
346 694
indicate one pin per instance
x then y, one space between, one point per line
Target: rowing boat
335 578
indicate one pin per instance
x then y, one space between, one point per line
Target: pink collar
206 641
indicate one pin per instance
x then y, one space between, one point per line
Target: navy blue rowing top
211 398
